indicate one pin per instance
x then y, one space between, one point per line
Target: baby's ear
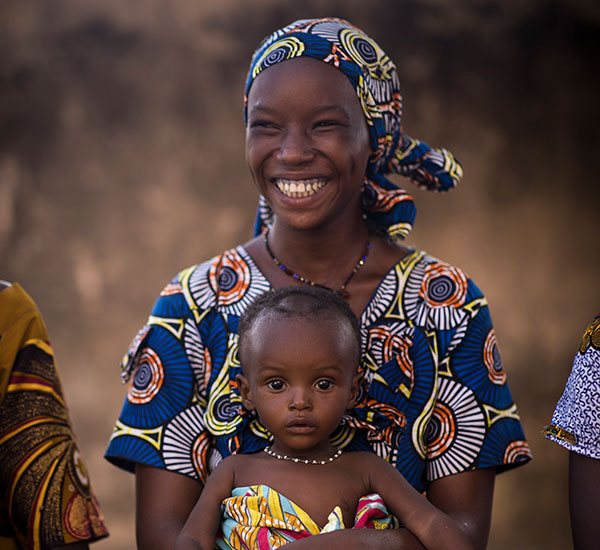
354 387
244 389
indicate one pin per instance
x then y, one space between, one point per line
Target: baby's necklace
271 452
341 291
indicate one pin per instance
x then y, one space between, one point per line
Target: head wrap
374 78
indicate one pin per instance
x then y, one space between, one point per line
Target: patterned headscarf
374 78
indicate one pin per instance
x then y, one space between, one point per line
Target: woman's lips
299 188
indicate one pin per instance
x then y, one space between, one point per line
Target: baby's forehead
326 320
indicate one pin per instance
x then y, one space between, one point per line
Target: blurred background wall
122 161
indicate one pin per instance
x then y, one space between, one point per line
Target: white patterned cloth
576 419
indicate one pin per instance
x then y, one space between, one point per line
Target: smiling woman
323 113
308 162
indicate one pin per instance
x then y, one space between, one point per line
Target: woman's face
307 143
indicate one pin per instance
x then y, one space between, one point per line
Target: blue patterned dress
434 400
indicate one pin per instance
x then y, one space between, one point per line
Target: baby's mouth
296 189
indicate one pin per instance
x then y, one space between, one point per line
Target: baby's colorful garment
260 518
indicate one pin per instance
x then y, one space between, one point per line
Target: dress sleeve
475 423
576 422
161 423
47 495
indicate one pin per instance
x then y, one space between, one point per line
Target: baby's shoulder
241 461
360 459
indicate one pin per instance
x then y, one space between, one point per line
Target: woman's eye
324 384
327 123
275 385
262 124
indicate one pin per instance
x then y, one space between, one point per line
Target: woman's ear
354 387
244 389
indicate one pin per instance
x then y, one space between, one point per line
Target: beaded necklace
341 290
272 453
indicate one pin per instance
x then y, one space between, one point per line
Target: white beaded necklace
272 453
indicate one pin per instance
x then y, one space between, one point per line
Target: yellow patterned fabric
259 518
47 500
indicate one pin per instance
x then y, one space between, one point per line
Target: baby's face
301 376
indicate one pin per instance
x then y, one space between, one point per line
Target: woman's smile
309 163
296 189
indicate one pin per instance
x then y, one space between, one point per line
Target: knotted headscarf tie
374 78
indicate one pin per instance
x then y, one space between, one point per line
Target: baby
299 348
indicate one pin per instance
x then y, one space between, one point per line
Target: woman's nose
295 147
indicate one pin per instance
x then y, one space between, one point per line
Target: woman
323 129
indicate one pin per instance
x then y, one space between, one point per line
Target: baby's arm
200 529
434 529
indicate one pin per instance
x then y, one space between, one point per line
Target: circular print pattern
516 451
434 295
79 469
443 286
492 360
455 431
186 444
163 383
148 378
367 55
286 48
230 282
75 510
440 431
232 277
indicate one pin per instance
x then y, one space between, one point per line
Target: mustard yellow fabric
46 496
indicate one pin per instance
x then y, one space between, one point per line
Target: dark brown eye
324 384
275 385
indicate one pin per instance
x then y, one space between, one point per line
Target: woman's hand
164 501
359 539
466 497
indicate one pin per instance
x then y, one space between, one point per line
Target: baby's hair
301 302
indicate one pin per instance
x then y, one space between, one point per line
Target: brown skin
305 122
301 378
584 500
317 489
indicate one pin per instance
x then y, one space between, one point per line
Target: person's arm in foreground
434 529
584 500
465 497
200 530
164 501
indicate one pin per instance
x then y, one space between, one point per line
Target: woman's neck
324 255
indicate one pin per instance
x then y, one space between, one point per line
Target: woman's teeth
299 188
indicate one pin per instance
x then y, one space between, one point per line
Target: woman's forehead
303 76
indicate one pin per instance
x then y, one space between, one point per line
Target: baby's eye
275 385
324 384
